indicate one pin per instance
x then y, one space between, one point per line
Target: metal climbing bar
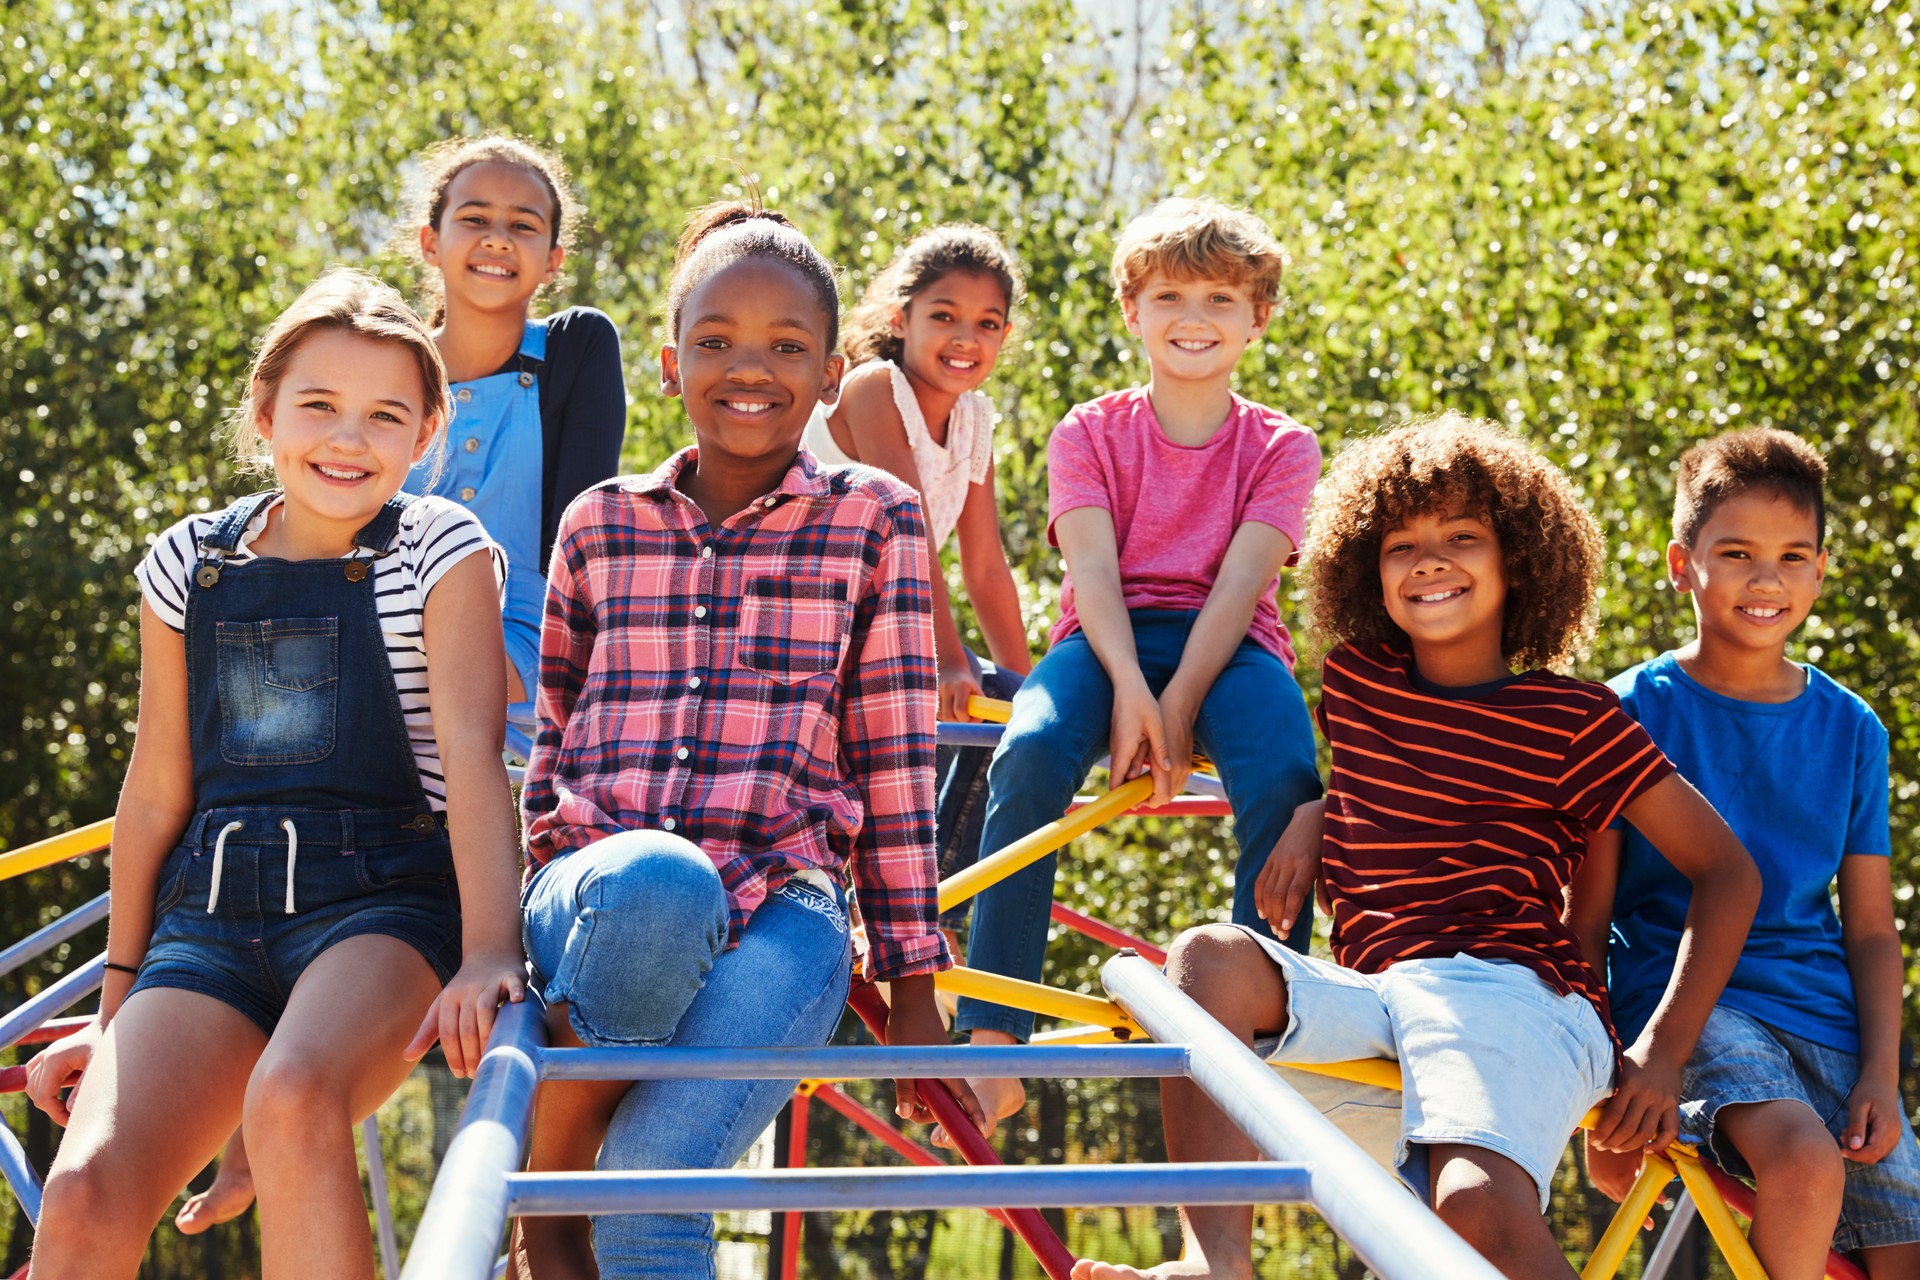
1394 1233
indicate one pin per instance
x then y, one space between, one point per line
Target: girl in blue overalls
539 405
292 921
538 413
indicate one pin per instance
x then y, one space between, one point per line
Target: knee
77 1204
1212 965
1491 1215
288 1098
1801 1155
655 880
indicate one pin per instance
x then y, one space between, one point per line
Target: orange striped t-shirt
1456 818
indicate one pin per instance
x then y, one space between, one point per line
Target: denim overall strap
290 694
495 467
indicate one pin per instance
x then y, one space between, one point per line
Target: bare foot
228 1198
552 1249
999 1098
1181 1269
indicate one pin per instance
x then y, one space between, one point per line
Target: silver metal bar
382 1203
459 1235
74 986
833 1190
1667 1249
864 1062
1391 1230
52 935
21 1176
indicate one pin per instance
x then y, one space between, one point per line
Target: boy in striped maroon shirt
1443 555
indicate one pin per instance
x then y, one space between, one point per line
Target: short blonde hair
1189 239
352 301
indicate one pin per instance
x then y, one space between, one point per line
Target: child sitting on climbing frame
1450 564
1795 1078
1175 506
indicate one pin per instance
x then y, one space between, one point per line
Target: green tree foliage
1618 228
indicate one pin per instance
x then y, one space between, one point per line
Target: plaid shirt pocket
793 628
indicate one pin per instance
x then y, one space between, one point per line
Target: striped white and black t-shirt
435 534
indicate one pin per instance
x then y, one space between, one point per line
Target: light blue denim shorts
1740 1059
1489 1057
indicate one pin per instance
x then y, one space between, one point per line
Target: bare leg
1892 1261
1799 1177
228 1197
1495 1206
1232 978
333 1060
163 1090
569 1122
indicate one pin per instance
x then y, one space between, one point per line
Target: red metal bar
1101 931
1051 1254
1739 1198
13 1079
864 1117
1178 807
53 1029
796 1159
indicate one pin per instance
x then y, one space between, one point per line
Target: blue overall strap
531 359
377 536
221 540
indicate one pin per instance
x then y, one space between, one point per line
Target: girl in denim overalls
286 908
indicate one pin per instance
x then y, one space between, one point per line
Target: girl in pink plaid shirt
736 711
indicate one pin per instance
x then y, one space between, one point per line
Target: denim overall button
464 396
356 571
422 823
207 574
466 494
473 444
526 379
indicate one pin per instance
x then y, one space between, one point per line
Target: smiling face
951 332
345 424
1193 330
751 360
1754 571
495 241
1445 581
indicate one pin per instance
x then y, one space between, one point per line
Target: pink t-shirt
1176 508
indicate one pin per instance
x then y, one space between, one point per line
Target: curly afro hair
1551 546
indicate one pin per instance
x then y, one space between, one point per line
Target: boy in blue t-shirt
1795 1078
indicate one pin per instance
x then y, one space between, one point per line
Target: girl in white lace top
925 335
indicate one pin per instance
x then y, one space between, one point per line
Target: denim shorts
1742 1060
354 872
1489 1057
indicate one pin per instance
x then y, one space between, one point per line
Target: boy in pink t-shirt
1175 506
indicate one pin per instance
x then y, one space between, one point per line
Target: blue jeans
960 807
631 931
1252 724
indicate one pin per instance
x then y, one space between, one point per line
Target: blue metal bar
52 935
382 1202
832 1190
459 1235
1393 1232
864 1062
75 986
21 1176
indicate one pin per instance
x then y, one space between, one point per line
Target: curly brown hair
928 257
1551 545
1735 462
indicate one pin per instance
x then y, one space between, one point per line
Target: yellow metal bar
1035 998
1655 1174
995 710
91 838
956 889
1078 1035
1719 1219
1381 1072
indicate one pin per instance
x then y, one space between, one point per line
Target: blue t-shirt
1803 784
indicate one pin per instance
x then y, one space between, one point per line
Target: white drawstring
219 860
293 852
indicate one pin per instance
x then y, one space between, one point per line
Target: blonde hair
346 300
1190 239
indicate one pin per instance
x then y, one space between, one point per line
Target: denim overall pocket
795 628
279 684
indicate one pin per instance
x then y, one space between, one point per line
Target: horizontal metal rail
76 843
1394 1234
22 1178
833 1190
52 934
72 988
864 1062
